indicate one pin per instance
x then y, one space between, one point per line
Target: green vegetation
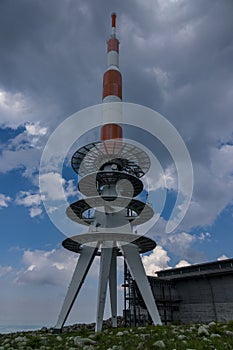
215 336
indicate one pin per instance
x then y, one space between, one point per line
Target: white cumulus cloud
33 201
4 270
35 212
30 200
35 129
222 257
156 261
12 108
24 150
46 267
4 200
54 267
53 182
182 263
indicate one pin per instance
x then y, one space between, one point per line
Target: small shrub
176 323
34 342
230 325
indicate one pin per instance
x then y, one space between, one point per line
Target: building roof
210 268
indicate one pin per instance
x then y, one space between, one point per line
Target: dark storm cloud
193 46
50 49
175 56
185 52
56 50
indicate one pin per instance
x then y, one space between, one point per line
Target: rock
20 339
59 338
202 331
119 334
83 341
88 347
206 339
159 344
140 346
93 336
181 337
213 335
144 336
211 324
229 333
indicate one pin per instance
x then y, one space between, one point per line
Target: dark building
197 293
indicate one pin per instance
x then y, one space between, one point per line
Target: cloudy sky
176 57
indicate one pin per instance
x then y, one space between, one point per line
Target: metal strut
85 260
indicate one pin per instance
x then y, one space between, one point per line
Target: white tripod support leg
85 260
134 262
113 287
105 262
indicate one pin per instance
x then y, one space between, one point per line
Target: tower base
57 330
108 246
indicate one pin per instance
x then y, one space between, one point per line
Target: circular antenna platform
75 243
87 184
93 156
76 210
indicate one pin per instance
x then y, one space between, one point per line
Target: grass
179 337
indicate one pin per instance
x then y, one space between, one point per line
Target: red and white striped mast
106 169
112 86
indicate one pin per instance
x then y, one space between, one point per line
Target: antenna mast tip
114 20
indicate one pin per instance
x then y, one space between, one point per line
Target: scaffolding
135 312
